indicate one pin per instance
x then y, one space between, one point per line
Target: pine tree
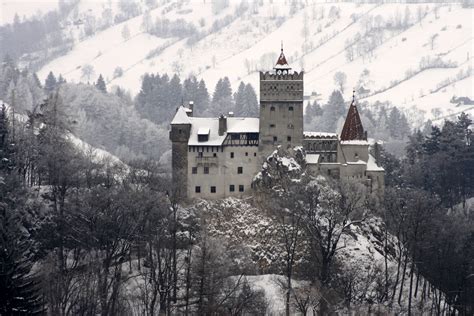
222 101
202 98
50 84
239 98
61 80
100 84
334 110
190 89
251 103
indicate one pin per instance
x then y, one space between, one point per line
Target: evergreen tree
175 95
6 150
202 98
251 103
100 84
239 98
61 80
36 80
222 101
190 90
334 110
51 83
312 110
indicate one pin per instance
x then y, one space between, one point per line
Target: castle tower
281 107
179 136
353 129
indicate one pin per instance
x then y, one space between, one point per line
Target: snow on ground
24 8
238 49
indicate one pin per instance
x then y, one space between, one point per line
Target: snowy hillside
416 55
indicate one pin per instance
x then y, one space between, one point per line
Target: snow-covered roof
372 165
211 124
203 131
242 125
358 162
319 135
312 158
355 142
181 116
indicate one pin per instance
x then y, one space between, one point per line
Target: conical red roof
353 129
282 59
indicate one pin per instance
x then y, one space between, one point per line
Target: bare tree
340 80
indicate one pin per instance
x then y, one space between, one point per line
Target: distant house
462 101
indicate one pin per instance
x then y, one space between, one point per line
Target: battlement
281 88
289 76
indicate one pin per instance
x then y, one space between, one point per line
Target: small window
213 189
240 170
195 170
272 125
214 155
206 170
197 189
241 188
288 138
255 154
275 139
356 156
232 155
232 188
290 109
246 154
272 109
180 131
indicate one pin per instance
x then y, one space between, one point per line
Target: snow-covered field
314 39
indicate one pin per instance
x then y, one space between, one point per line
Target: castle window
255 154
231 188
290 109
275 139
197 189
214 155
272 109
195 170
288 138
272 125
241 188
246 154
206 170
356 156
240 170
231 155
180 131
213 189
291 126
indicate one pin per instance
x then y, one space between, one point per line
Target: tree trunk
403 279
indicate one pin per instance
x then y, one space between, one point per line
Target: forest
82 234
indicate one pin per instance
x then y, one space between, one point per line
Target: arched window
272 109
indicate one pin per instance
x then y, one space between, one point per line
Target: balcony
206 160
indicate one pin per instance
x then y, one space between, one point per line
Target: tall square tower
281 108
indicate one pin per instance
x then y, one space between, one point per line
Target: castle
219 157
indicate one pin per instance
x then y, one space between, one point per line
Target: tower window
213 189
195 170
272 109
240 170
231 155
290 109
197 189
231 188
206 170
241 188
275 139
246 154
272 125
288 138
255 154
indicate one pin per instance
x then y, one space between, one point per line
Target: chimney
231 114
191 107
222 124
